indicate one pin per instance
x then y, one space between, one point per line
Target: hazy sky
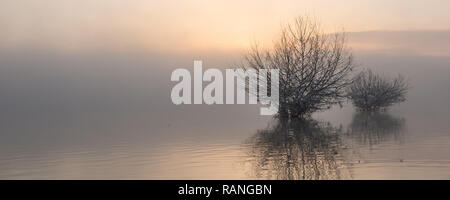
198 24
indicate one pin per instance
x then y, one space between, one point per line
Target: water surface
108 116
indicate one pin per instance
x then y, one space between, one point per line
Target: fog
94 113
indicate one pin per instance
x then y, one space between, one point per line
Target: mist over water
108 115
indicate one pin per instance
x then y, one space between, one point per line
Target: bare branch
314 67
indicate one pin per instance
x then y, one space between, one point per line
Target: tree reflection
370 128
297 149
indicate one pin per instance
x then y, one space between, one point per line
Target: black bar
170 189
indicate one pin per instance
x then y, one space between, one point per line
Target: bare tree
313 66
371 92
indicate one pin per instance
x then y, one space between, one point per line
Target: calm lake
109 116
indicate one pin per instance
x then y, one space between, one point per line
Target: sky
173 25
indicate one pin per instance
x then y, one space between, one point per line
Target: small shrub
371 92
